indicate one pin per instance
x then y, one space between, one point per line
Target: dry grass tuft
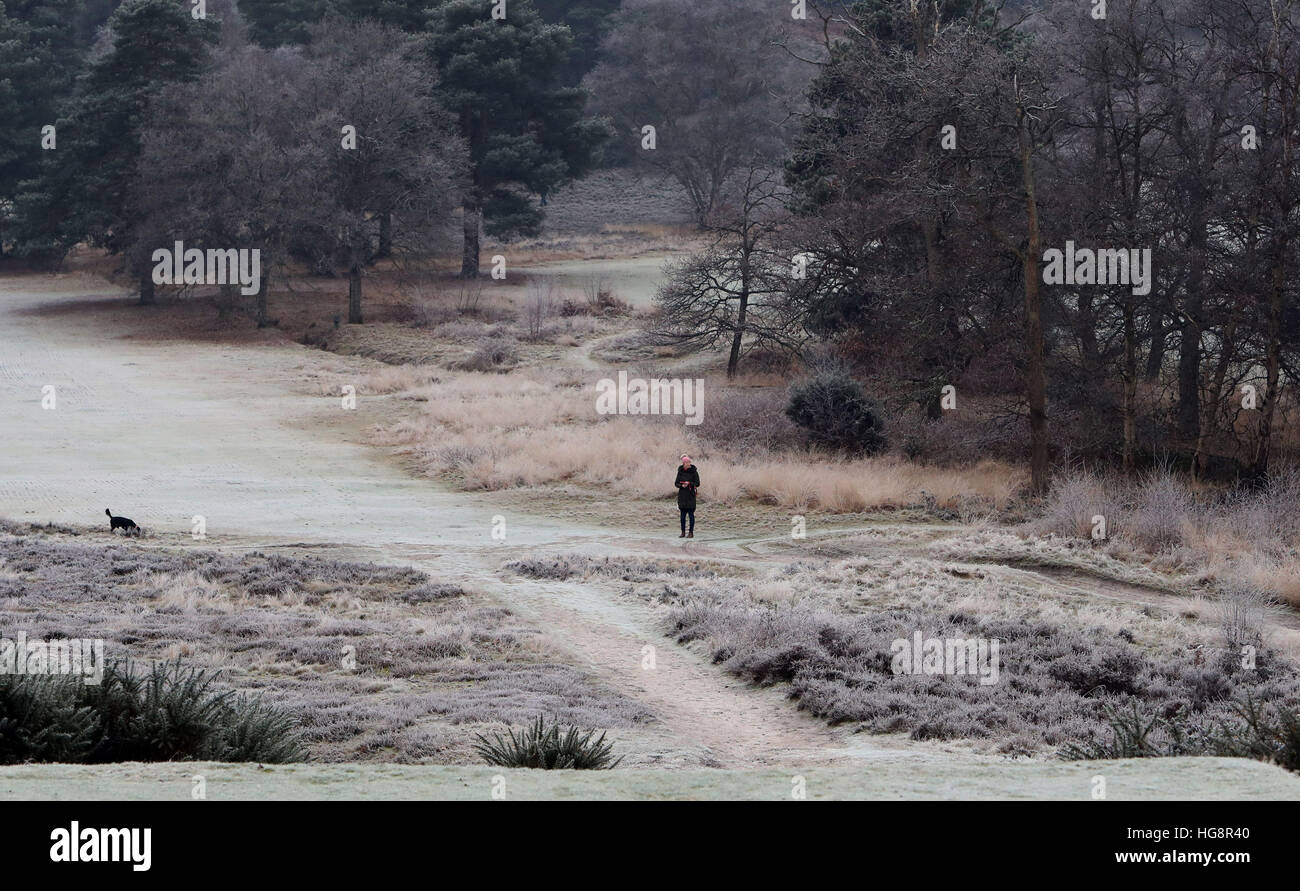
1243 538
502 432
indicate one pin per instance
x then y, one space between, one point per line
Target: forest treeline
1078 217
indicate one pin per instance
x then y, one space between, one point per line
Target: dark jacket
686 494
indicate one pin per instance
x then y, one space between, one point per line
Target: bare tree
1272 38
1035 376
739 291
540 307
280 150
397 159
710 78
231 163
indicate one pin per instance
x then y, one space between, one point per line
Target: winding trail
165 431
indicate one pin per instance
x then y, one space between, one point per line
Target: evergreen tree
589 21
82 189
273 23
40 52
526 132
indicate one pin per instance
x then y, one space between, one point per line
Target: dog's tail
109 512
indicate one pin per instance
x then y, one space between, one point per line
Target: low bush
549 748
1056 679
1136 735
834 412
170 713
492 354
1268 733
749 421
560 567
1265 732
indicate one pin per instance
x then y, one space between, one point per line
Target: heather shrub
279 625
1243 615
1134 734
560 567
1265 732
1159 512
1073 501
829 639
430 591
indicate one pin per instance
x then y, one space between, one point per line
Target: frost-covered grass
373 662
824 628
560 567
1243 536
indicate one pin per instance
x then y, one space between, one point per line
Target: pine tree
526 132
273 23
40 52
83 186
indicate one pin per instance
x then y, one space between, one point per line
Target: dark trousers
688 513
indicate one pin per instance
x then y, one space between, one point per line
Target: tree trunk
469 256
354 294
1035 383
1187 415
733 361
1089 350
1159 338
226 300
1272 365
1130 385
263 300
1188 412
715 188
385 236
940 356
1227 348
1281 217
1129 311
147 295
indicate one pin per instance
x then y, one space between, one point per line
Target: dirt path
164 431
737 725
582 356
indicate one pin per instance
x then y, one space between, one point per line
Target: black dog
126 524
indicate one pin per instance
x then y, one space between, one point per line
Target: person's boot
683 535
690 534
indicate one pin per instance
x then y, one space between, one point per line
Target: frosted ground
164 430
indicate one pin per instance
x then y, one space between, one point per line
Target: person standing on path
688 480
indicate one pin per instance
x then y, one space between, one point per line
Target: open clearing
166 431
